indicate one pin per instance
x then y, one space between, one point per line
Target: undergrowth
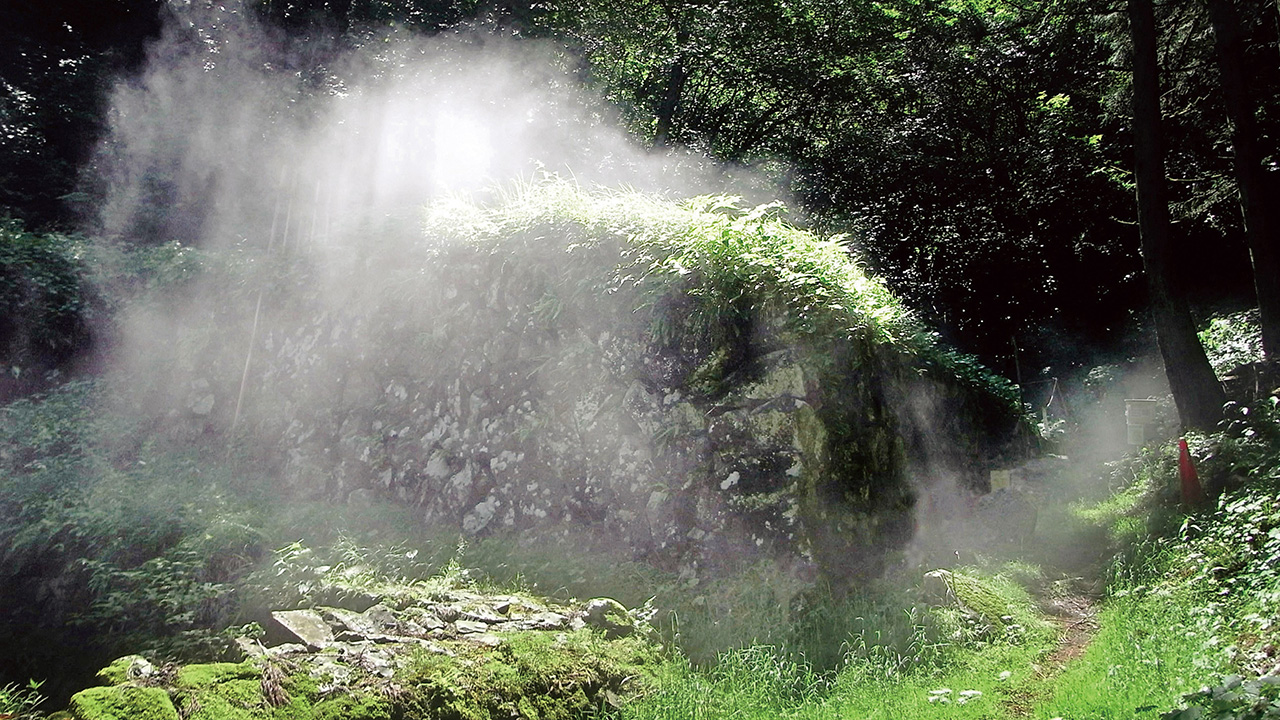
133 545
18 702
1189 628
115 540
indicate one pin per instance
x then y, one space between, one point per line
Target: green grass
891 666
1153 646
1193 594
759 682
20 702
965 672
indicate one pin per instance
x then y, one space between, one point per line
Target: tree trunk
676 79
1196 390
1252 177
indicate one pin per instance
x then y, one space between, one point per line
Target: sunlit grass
1152 647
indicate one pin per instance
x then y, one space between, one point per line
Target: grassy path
1076 618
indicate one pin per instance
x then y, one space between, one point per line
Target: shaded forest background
979 153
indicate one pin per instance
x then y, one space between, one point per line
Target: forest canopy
979 153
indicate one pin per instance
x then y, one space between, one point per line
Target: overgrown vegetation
1192 594
120 535
44 305
720 263
21 702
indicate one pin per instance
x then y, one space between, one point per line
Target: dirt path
1076 618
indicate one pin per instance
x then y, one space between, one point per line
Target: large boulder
700 385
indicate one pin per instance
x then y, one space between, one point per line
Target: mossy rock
520 666
122 702
125 669
237 691
610 616
549 676
230 700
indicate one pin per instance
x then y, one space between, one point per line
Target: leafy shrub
1234 698
1233 340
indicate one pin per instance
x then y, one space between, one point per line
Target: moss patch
223 691
122 670
196 676
353 707
508 671
122 702
230 700
532 674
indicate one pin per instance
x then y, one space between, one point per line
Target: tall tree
1257 188
1196 390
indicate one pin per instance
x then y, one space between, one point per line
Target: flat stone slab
306 626
543 621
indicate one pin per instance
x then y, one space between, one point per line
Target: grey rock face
539 384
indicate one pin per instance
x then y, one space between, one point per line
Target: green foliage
330 573
1193 594
21 702
1249 444
712 275
1232 340
951 136
139 276
1236 551
1232 698
43 303
111 536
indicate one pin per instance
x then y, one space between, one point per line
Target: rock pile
455 654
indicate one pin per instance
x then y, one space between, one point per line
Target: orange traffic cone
1192 493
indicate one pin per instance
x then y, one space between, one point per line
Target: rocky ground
453 653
